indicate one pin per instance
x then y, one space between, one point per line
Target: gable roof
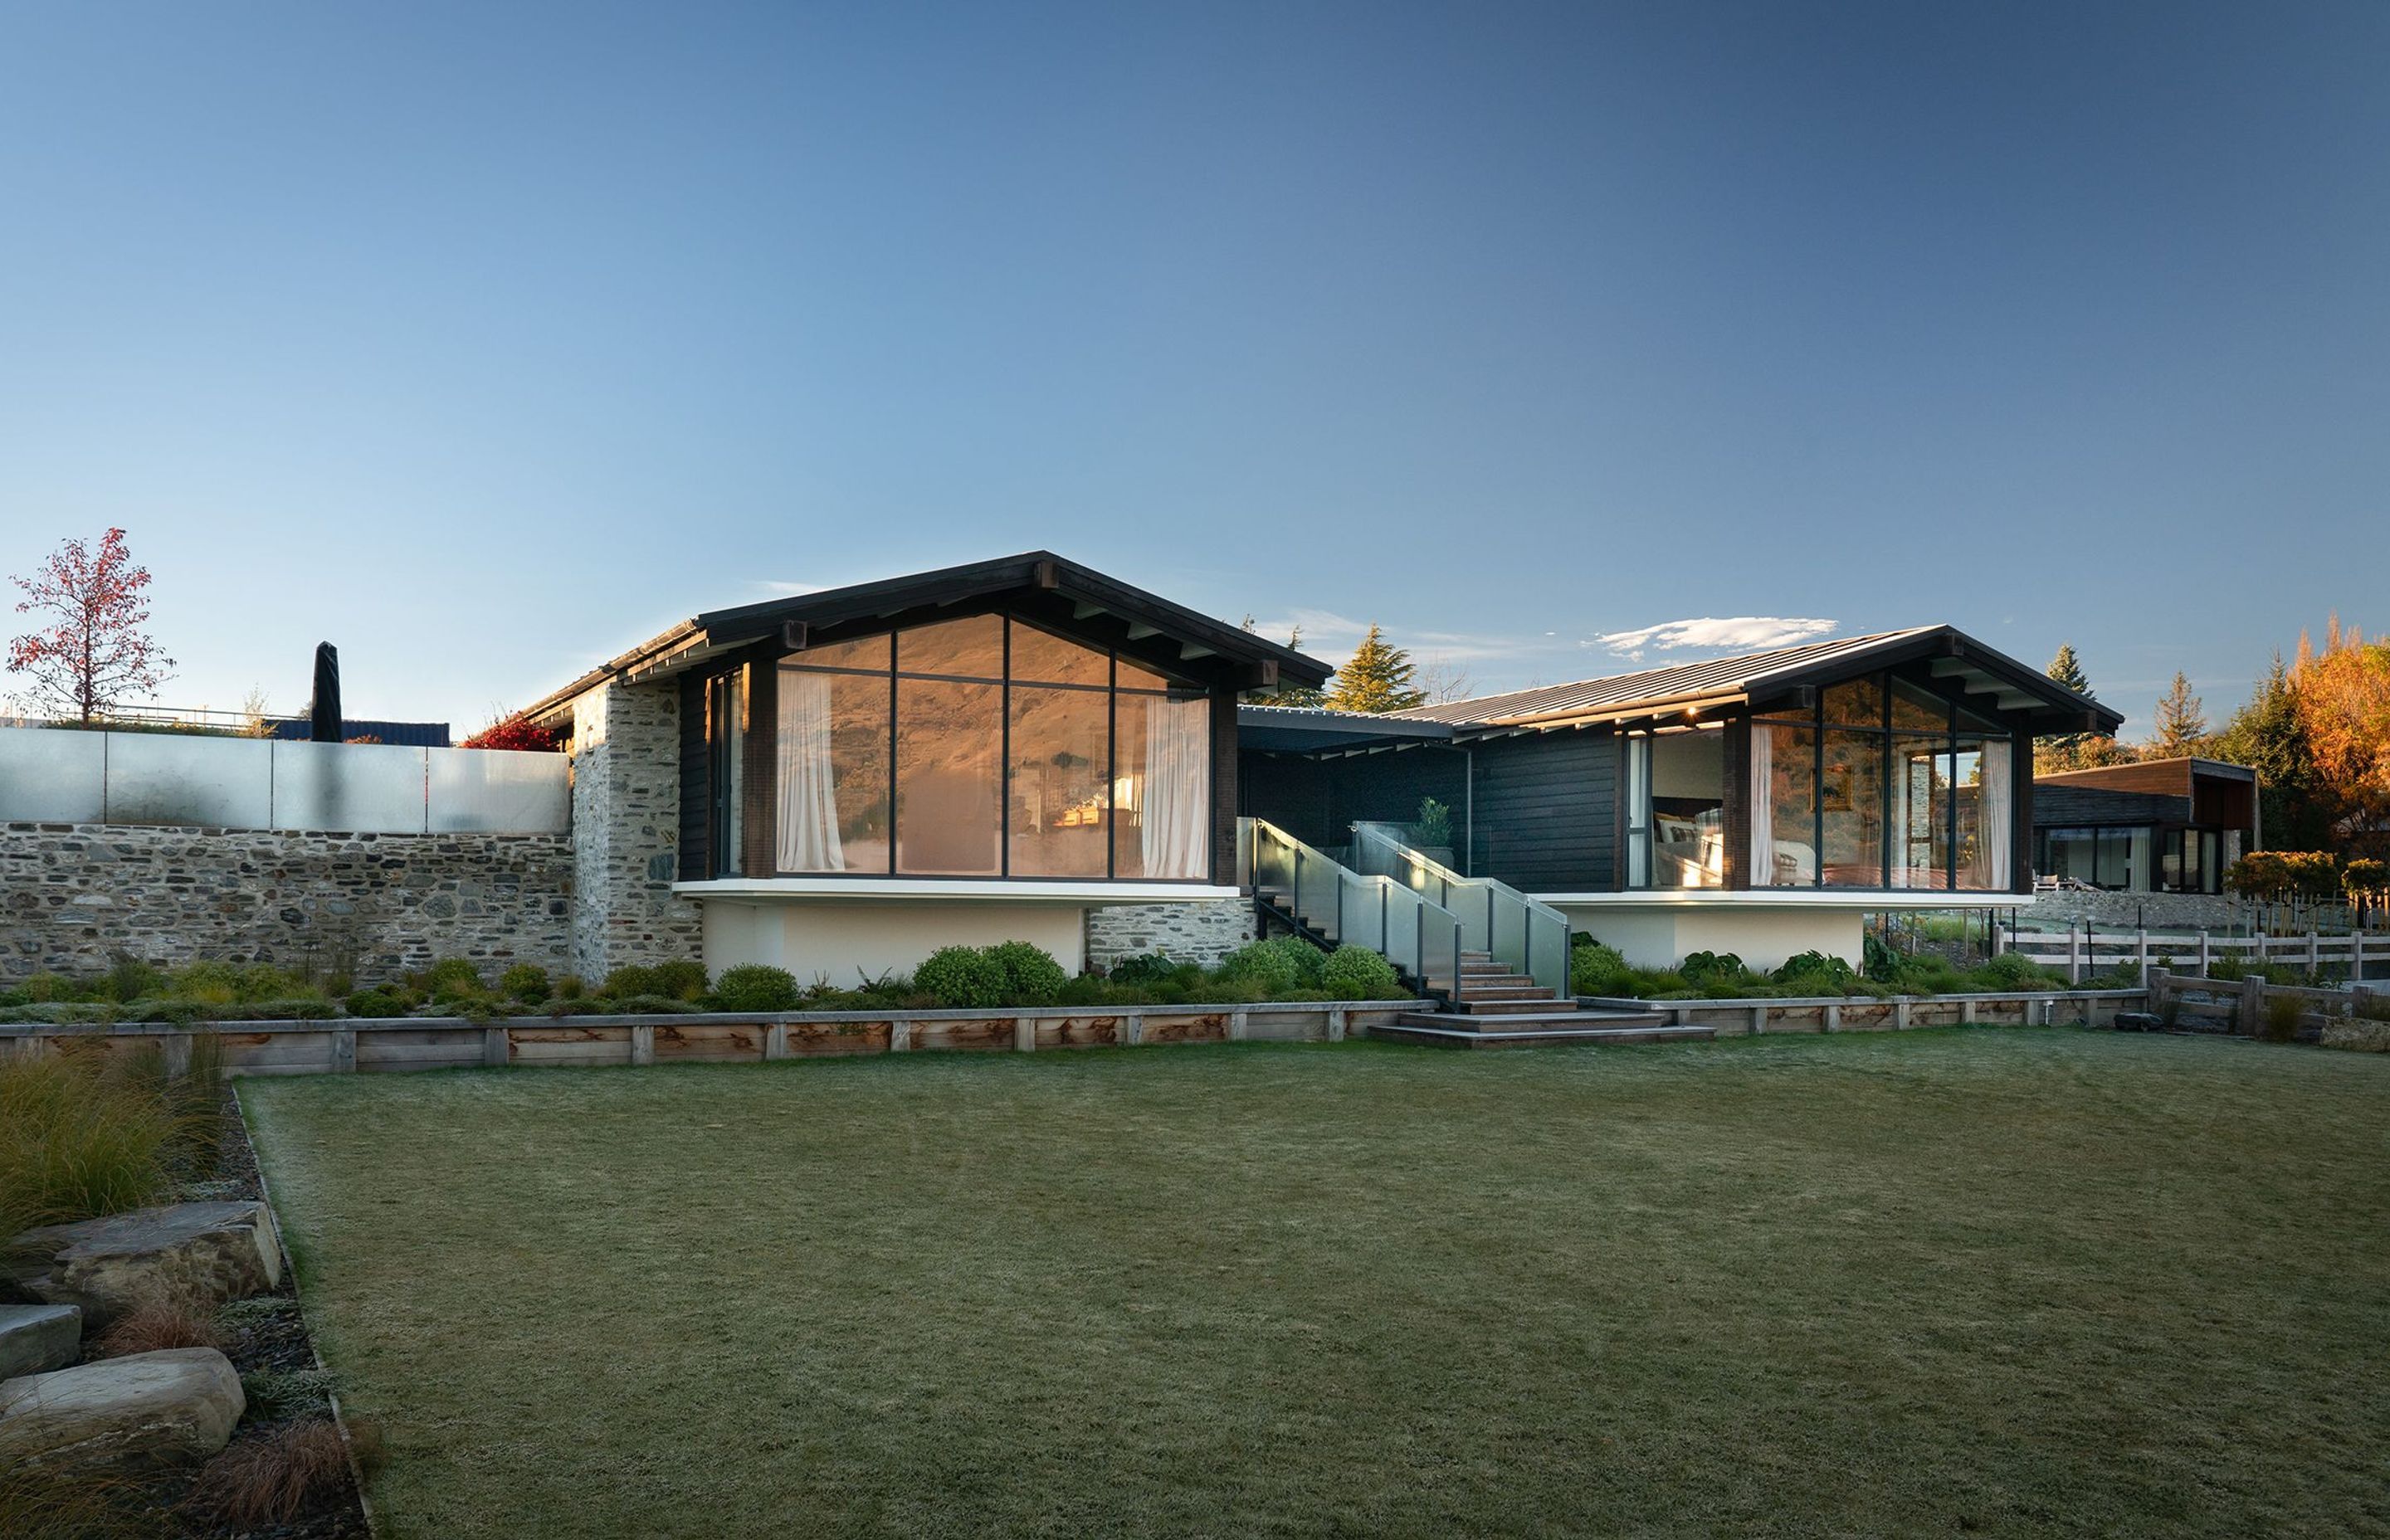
1141 624
1753 677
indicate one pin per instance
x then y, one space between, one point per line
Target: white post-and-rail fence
2084 951
2245 1003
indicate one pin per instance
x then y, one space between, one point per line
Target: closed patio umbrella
324 711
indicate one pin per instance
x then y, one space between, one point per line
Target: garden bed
343 1045
1757 1014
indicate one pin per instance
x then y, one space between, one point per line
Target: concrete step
1547 1021
1530 990
1410 1030
1532 1005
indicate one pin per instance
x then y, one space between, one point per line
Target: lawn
2000 1281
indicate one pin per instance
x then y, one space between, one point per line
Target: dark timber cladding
1545 810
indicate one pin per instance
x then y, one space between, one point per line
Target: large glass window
1680 788
1852 788
726 726
1784 805
986 747
1884 783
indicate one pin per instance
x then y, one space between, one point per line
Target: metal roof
1307 729
1756 676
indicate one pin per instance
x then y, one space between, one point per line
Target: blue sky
487 341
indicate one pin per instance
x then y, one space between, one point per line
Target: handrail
1422 938
1525 934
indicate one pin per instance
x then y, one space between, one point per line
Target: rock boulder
141 1411
203 1253
36 1338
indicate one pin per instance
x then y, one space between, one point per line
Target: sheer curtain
808 801
1177 788
1763 807
1992 815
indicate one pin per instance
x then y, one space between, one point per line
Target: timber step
1527 990
1417 1028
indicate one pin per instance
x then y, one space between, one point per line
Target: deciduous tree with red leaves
92 650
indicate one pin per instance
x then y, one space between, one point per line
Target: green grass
2000 1281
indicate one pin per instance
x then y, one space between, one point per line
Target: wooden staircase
1497 1009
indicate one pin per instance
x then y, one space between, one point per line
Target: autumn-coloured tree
509 731
2343 694
93 647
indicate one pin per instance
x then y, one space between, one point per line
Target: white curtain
1992 815
1177 788
808 802
1763 807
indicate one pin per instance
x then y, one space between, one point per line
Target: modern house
846 781
1027 749
2169 826
1758 804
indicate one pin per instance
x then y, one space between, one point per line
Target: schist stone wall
1201 931
75 896
626 831
2123 911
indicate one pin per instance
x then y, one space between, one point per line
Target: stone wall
1202 931
2123 911
626 831
74 896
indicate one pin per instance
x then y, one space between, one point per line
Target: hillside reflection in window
986 747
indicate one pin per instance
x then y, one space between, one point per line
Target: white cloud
1709 634
1330 637
787 590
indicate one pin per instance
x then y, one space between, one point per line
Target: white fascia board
945 890
1791 898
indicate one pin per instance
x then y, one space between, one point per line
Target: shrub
1714 970
2280 873
680 979
1278 964
130 979
1031 977
755 986
2283 1014
525 983
1596 969
961 977
47 988
375 1002
70 1504
154 1326
2366 875
2015 970
76 1142
1816 973
269 1479
1357 973
277 1393
452 979
1152 967
629 980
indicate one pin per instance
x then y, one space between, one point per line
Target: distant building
2169 826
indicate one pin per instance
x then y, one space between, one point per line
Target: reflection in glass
833 771
1784 805
1852 793
971 647
1042 658
1688 809
948 782
1060 793
1162 785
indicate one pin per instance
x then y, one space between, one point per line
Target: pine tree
2067 670
2182 722
1377 678
2269 735
2072 750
